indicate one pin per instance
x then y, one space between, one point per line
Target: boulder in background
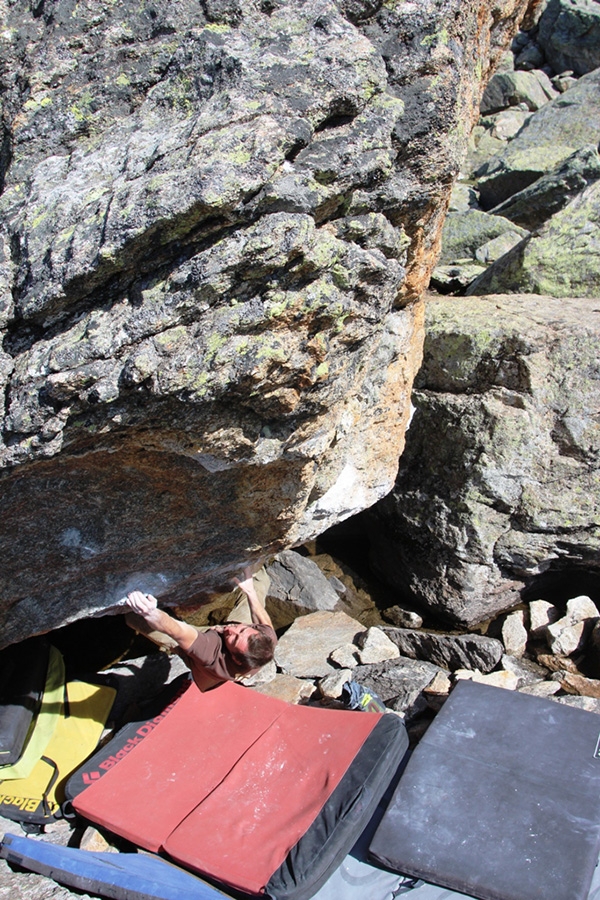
500 481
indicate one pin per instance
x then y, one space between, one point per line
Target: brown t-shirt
211 664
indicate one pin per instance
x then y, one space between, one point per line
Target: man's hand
145 605
258 613
247 585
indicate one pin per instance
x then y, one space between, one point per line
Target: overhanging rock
216 224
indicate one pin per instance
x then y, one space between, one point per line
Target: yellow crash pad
38 797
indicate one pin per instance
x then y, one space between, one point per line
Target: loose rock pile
521 214
538 649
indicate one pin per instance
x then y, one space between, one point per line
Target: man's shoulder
207 645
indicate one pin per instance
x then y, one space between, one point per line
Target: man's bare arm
146 606
258 613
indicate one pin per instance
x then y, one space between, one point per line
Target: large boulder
217 219
569 35
500 481
561 260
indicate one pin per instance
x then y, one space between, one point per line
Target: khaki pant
241 610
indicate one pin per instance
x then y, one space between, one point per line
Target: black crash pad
500 800
22 677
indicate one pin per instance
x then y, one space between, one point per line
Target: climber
221 652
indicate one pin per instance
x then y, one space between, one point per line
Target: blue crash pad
122 876
132 876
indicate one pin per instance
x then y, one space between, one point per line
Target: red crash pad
183 759
228 781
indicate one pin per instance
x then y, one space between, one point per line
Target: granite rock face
500 481
217 220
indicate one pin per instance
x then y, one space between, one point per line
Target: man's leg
241 610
